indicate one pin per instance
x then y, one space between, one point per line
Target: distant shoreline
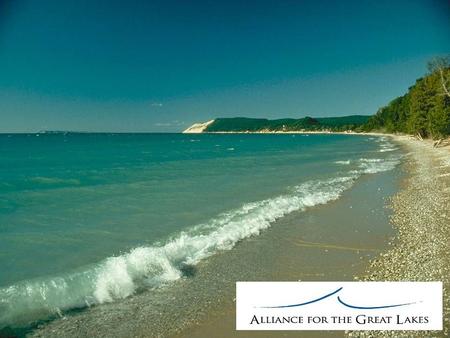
208 132
296 132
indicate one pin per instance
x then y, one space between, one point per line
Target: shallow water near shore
173 224
333 242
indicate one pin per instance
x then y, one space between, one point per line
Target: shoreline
421 219
265 132
419 248
223 325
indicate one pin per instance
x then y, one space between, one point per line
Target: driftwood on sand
441 143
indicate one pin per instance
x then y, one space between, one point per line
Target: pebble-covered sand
421 249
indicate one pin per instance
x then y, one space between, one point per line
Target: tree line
424 110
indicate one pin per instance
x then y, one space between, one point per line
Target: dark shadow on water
23 331
188 270
8 332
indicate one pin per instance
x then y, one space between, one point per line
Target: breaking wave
376 165
153 266
343 162
386 146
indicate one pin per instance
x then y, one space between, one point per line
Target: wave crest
152 266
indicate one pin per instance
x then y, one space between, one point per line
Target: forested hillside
243 124
423 111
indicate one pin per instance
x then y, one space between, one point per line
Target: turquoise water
94 218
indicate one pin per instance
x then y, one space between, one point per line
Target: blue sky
162 65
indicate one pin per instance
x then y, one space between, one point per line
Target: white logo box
339 305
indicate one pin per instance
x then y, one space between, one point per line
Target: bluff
244 124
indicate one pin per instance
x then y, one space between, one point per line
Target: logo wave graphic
339 299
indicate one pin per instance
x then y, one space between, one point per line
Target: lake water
96 218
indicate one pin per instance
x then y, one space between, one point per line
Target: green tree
423 110
439 117
421 102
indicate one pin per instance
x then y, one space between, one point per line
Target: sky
159 66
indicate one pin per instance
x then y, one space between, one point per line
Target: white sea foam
120 276
371 160
376 165
343 162
152 266
386 146
387 149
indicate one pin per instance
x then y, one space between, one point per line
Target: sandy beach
420 250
